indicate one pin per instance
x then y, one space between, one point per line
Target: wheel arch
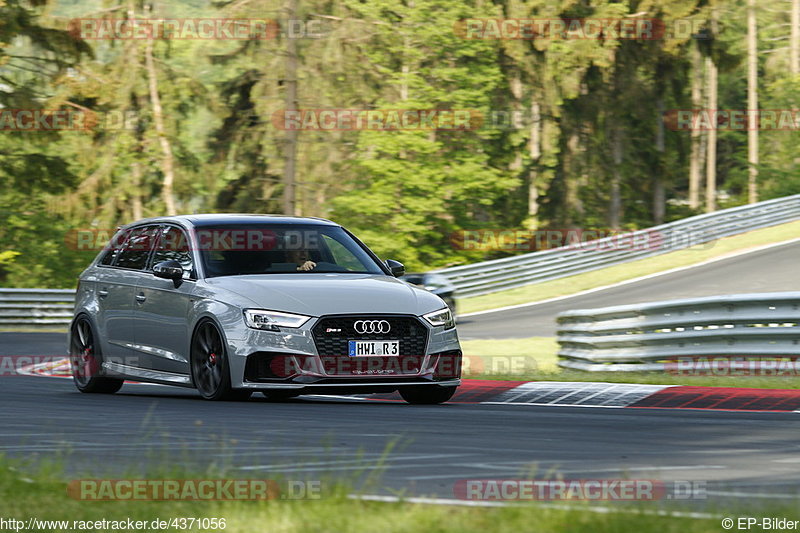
199 321
81 314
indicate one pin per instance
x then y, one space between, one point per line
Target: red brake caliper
87 361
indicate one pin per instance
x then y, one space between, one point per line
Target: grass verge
59 329
535 359
41 493
634 269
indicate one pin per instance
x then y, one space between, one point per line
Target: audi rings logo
372 326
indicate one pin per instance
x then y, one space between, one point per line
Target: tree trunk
573 203
794 39
711 148
696 155
405 67
535 152
752 102
167 163
137 209
659 195
515 85
290 163
615 203
136 197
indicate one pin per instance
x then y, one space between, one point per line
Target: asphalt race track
737 454
424 450
745 456
770 270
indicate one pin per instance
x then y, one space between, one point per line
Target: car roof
212 219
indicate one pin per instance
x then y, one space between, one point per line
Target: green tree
32 56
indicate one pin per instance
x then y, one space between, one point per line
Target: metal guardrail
645 337
53 307
36 308
511 272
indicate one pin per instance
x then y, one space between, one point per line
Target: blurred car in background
435 283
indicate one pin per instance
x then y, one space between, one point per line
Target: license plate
365 348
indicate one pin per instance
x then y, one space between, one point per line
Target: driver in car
300 257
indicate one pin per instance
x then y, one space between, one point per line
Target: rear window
137 248
113 248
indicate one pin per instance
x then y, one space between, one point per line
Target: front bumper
289 360
347 386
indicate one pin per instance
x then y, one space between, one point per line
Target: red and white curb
627 395
578 394
57 368
574 394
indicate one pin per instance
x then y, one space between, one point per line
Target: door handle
141 298
102 293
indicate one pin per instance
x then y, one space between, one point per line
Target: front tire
211 372
86 360
427 395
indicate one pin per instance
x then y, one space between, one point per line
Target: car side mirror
168 270
395 267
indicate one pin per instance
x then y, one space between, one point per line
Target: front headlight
443 317
272 320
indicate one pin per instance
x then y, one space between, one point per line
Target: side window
173 246
341 255
137 248
114 247
109 256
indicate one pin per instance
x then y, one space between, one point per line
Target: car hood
326 294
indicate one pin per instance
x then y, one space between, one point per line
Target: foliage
590 158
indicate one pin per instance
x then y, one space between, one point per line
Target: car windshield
234 250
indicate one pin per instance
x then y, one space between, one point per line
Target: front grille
332 333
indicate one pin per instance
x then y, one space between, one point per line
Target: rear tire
86 360
427 395
211 372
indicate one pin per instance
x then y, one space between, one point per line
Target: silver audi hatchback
232 304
